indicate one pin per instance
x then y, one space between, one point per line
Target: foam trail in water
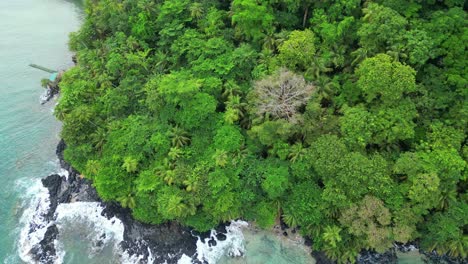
34 225
90 212
232 246
64 173
103 230
185 260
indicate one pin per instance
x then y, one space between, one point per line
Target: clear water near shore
31 31
267 247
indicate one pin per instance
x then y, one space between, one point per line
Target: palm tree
318 67
179 137
455 248
175 206
161 61
174 153
99 138
397 52
331 235
265 56
445 199
192 182
130 164
92 168
230 89
147 5
166 171
458 247
169 176
196 10
235 109
221 158
337 55
326 86
127 201
290 220
359 55
296 152
272 40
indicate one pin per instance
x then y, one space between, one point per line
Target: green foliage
251 18
298 51
385 80
275 181
348 119
380 126
445 231
331 235
382 27
303 205
270 132
228 138
370 220
265 214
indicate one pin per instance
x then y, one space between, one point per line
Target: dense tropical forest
345 118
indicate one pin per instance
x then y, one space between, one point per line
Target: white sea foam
233 246
43 97
133 259
185 260
106 231
33 223
90 213
64 173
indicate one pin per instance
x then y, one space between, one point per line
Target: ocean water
31 31
36 31
264 247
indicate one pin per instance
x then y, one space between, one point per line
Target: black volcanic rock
167 242
45 252
212 242
372 257
51 91
435 258
321 258
221 236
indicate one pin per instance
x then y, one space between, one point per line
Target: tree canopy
347 119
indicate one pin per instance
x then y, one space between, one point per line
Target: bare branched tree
281 95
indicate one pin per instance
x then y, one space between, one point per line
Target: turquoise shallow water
264 247
31 31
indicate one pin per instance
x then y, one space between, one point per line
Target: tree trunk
304 19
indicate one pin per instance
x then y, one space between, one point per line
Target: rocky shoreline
166 242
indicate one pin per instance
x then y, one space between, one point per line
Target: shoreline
170 242
167 242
